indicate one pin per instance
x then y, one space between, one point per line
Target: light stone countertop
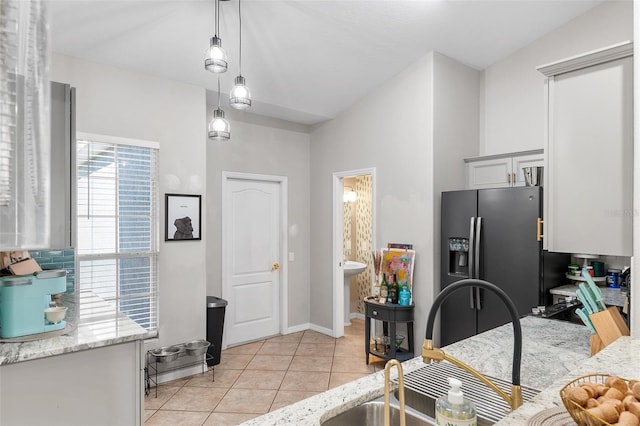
111 329
610 296
550 349
621 358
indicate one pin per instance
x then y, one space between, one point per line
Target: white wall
512 111
117 102
393 130
272 147
390 130
456 104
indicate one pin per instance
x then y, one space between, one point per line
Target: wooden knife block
609 325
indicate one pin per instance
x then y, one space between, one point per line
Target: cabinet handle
539 229
513 178
508 177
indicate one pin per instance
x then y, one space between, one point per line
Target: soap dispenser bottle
454 409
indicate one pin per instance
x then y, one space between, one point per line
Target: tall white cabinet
589 172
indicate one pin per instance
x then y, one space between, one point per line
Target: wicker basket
581 415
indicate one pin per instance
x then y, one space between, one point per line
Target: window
117 222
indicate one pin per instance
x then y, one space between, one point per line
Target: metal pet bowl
166 354
196 347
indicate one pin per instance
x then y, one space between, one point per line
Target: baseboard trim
297 328
323 330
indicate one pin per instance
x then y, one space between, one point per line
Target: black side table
390 314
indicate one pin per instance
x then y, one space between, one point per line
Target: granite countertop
550 349
110 328
621 358
610 296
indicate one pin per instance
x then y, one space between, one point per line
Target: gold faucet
429 353
387 407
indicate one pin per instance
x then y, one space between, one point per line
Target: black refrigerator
494 235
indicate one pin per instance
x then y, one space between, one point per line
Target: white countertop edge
121 329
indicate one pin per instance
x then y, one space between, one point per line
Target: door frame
338 240
284 267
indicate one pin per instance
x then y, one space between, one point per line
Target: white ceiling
304 60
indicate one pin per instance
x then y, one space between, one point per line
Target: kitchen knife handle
586 320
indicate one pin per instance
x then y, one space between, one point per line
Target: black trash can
215 326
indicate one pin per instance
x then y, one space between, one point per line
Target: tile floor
263 376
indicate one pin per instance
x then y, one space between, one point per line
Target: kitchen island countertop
109 329
551 349
621 358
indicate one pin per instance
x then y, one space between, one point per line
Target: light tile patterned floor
263 376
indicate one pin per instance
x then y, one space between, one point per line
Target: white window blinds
117 222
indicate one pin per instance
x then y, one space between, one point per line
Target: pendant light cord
218 91
240 38
217 17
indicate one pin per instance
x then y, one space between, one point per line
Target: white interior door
252 229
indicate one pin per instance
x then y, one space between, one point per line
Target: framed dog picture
182 217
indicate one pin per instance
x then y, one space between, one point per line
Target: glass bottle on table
384 289
390 286
394 290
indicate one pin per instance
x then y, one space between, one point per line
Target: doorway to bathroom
354 239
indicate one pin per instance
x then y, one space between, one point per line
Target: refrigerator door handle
478 300
476 252
472 239
471 299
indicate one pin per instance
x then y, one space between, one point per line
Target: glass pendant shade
216 57
240 95
219 127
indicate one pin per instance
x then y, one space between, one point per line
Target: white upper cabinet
500 171
589 173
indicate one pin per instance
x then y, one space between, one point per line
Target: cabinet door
62 165
525 161
494 173
591 160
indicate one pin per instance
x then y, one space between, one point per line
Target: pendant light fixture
219 129
240 95
216 57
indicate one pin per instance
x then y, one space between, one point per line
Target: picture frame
182 217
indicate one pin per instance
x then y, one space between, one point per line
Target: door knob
275 266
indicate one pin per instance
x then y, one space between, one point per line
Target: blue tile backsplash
58 259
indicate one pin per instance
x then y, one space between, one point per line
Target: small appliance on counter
25 303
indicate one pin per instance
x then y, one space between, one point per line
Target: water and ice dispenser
459 257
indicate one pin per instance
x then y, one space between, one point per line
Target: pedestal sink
351 268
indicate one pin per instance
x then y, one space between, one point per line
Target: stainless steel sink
371 413
426 405
422 388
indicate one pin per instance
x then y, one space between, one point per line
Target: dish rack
577 412
168 355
